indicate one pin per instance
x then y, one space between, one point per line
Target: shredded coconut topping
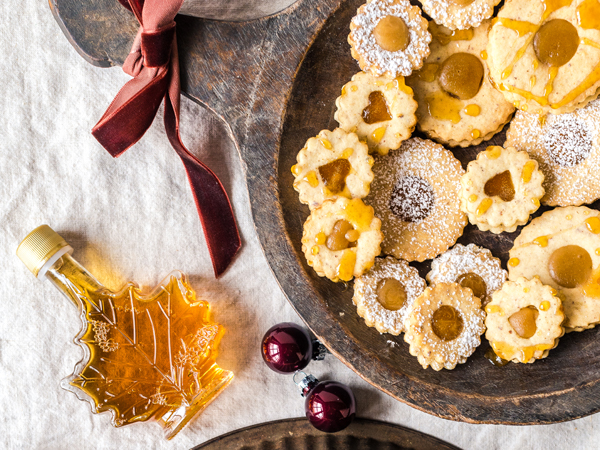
461 260
379 61
567 149
366 297
425 160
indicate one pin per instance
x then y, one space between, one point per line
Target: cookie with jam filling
380 110
341 239
562 248
333 164
524 320
444 326
458 105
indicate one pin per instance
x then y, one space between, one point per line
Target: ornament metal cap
41 248
306 383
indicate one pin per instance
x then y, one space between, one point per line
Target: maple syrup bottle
146 356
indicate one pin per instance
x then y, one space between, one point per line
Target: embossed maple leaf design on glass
145 356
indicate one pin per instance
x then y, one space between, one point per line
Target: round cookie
524 320
567 148
384 295
444 326
544 55
333 164
415 193
389 37
459 14
458 105
501 188
380 110
471 267
562 248
341 239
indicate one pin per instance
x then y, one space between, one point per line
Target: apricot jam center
556 42
523 321
391 294
570 266
412 199
446 323
377 109
474 282
391 34
342 236
461 75
462 3
334 175
500 185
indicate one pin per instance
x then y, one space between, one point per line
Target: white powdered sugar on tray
378 60
461 260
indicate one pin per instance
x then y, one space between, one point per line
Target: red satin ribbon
154 64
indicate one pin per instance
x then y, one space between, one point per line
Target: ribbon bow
154 64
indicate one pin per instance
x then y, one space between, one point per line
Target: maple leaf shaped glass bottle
145 356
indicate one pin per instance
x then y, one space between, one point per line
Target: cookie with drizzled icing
544 55
458 105
380 110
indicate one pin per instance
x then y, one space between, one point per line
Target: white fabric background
134 218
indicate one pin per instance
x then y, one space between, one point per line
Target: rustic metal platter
274 82
362 434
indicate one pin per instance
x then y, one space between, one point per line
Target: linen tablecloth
133 218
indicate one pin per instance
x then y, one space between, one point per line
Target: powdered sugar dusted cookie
567 148
333 164
380 110
415 193
341 239
458 105
524 320
384 294
459 14
472 267
444 326
562 248
501 188
389 37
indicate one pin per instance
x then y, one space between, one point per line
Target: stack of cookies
373 189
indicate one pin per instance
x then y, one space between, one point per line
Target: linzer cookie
524 320
444 326
567 148
562 248
341 239
380 110
415 193
383 295
472 267
458 105
459 14
333 164
544 55
501 188
389 37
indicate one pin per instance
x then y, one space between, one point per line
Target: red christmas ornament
287 347
330 406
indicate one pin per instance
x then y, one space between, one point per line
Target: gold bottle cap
40 246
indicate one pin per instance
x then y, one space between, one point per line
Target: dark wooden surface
274 81
362 434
